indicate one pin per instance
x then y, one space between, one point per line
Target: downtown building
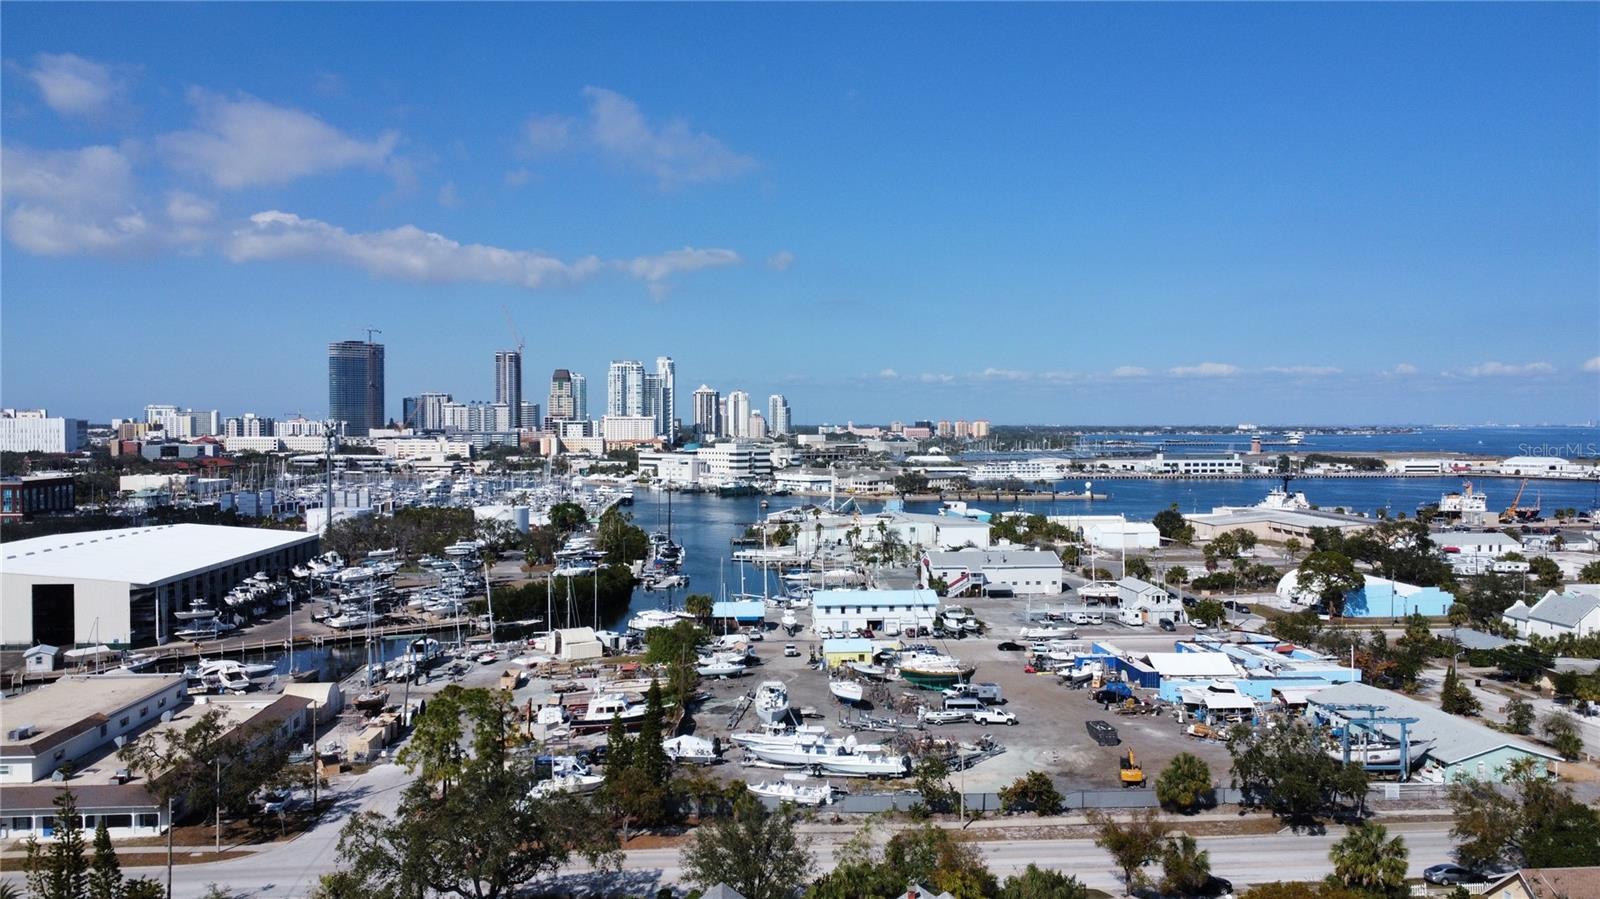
632 392
508 385
707 411
355 386
778 415
34 431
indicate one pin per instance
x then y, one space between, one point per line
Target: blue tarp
746 610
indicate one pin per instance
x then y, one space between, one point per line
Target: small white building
880 611
1111 533
41 658
801 480
1575 611
577 643
917 530
736 460
677 469
1545 466
1133 593
1024 572
1493 544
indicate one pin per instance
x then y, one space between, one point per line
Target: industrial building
1023 572
929 532
1111 533
63 722
1461 748
36 494
122 587
34 431
879 611
1274 525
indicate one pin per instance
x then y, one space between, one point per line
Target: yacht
612 705
653 618
772 702
567 784
353 619
690 749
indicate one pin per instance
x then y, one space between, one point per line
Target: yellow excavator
1132 775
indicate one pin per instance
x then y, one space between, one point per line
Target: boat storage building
880 611
122 587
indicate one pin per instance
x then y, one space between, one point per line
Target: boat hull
936 680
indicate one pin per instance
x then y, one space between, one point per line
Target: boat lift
1371 724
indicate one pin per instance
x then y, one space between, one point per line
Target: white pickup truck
994 716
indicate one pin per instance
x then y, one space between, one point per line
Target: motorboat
197 610
868 670
355 619
690 749
799 794
568 784
846 690
488 657
372 700
135 662
602 709
788 622
779 736
574 569
772 702
844 756
719 667
654 618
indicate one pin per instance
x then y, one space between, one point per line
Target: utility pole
218 760
169 847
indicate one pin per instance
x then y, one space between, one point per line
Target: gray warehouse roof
1566 609
147 555
996 558
1458 739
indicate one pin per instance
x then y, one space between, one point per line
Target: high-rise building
980 429
408 412
652 400
944 429
355 385
580 397
34 431
757 429
707 411
563 401
738 420
667 383
530 416
248 425
778 414
625 389
962 430
430 411
508 383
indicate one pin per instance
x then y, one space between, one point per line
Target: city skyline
1192 216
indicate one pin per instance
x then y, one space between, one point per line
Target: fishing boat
197 610
845 690
772 702
789 623
931 671
868 670
781 736
844 756
799 794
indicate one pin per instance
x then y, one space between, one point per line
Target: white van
1131 617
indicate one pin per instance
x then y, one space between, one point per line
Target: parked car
994 716
944 716
1449 874
790 650
1009 646
1079 618
1103 733
1217 888
1167 625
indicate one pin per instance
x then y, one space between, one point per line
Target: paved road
292 869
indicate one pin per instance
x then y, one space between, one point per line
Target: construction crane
1515 512
372 331
515 334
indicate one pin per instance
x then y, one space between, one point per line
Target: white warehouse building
880 611
122 587
1023 572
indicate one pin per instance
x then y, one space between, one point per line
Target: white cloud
1005 374
654 270
518 177
74 86
1129 371
67 202
780 261
188 209
935 378
1305 370
412 254
672 151
449 197
247 142
1501 369
1204 370
1403 368
1593 364
545 134
888 374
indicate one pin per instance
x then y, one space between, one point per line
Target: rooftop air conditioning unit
19 733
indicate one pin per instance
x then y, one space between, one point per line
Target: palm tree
1367 860
1185 867
698 604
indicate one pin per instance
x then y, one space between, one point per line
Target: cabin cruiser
837 756
574 569
772 702
720 665
353 619
653 618
602 709
569 776
197 610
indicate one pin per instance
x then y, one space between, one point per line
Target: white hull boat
772 702
795 793
720 668
690 750
845 690
1381 753
568 784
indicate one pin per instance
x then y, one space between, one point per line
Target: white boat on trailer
772 702
799 794
846 690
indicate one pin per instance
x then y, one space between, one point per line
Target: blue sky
1031 213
